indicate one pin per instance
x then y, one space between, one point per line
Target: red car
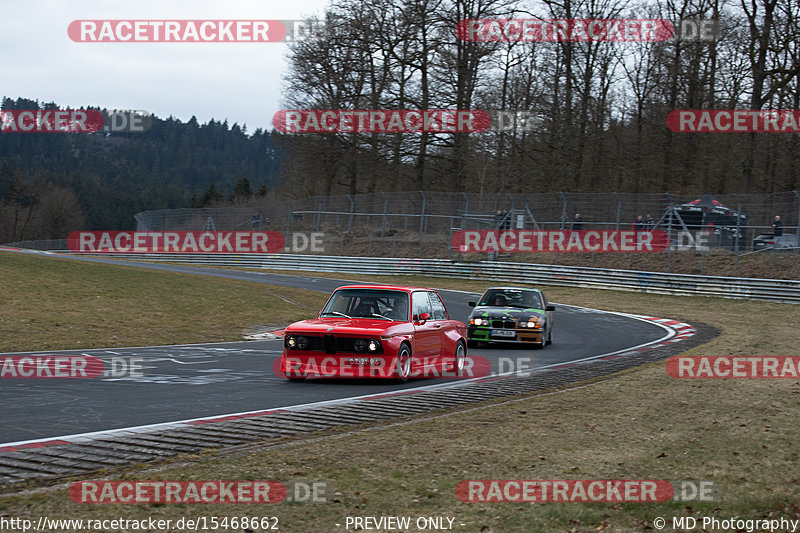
376 331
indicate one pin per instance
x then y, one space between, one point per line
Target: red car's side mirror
424 317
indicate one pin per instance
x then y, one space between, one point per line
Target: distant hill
115 175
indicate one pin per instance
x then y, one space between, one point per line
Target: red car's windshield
368 303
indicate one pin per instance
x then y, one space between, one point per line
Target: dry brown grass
51 303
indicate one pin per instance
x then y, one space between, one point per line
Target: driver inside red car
365 307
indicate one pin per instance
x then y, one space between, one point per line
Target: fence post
736 245
527 206
563 210
350 218
450 247
702 261
421 222
422 214
289 221
774 251
385 205
319 212
797 231
669 232
465 211
619 209
450 243
738 224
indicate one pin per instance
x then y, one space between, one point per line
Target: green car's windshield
525 299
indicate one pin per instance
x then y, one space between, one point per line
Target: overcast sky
240 82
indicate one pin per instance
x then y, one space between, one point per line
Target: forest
599 109
54 183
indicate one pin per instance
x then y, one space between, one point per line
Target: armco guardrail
773 290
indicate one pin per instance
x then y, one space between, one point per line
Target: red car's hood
346 326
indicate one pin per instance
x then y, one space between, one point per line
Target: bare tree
772 64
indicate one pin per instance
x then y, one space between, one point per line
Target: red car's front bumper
320 364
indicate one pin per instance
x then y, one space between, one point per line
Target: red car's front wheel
402 369
459 359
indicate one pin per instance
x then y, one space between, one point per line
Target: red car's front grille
329 344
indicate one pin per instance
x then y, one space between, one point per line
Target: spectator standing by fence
777 226
638 224
503 218
578 224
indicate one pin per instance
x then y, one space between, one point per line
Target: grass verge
51 303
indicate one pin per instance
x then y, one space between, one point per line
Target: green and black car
511 314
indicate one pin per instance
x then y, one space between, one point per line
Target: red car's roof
386 287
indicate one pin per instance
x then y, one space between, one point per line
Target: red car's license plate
364 361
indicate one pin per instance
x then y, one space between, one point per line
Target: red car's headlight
367 345
296 342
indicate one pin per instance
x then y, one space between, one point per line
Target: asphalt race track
192 381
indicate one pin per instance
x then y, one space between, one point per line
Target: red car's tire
402 370
459 359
